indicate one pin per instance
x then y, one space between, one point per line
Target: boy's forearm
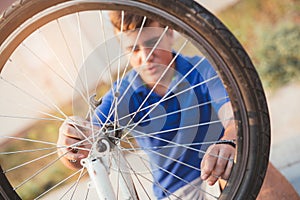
226 116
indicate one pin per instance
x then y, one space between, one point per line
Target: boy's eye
133 49
136 48
151 42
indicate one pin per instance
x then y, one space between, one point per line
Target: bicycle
41 30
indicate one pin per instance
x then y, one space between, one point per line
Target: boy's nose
146 54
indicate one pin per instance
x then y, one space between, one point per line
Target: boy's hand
74 132
217 163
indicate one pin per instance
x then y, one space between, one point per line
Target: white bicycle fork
98 167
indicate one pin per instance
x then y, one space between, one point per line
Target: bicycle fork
99 164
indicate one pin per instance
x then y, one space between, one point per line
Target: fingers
67 138
69 157
73 160
76 127
72 143
208 163
217 163
229 166
66 151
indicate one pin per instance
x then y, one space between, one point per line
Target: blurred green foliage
270 32
30 165
278 54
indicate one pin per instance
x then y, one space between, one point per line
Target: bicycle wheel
56 54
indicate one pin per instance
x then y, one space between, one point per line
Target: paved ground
285 115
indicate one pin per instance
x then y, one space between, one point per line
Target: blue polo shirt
171 130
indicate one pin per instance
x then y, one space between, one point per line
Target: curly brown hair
131 21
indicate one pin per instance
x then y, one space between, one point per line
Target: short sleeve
215 88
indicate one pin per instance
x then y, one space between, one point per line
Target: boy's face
149 62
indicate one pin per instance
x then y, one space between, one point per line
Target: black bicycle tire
245 77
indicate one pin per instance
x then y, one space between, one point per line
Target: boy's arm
218 159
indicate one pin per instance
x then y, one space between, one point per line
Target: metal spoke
157 82
58 184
